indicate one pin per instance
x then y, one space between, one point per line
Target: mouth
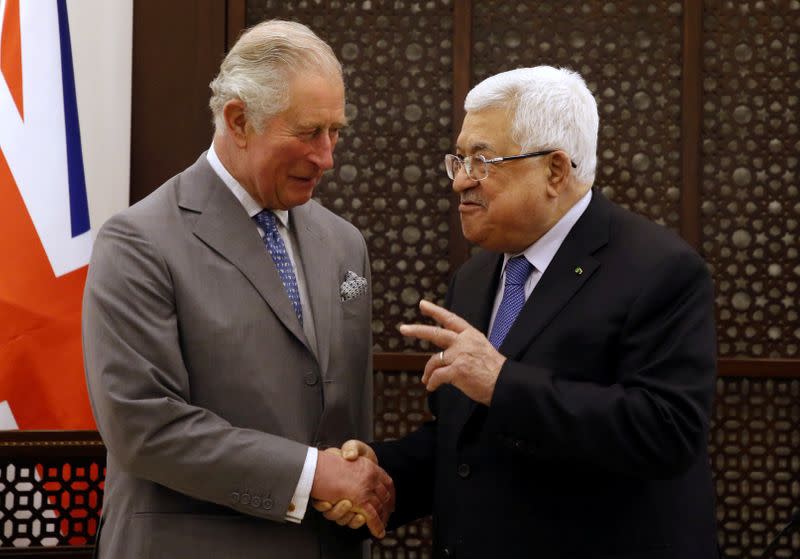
467 205
307 181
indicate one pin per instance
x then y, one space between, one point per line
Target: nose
463 182
322 154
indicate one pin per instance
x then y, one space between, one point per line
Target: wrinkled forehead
317 99
486 130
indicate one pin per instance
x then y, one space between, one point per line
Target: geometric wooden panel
412 541
389 179
401 406
50 502
755 455
629 53
750 187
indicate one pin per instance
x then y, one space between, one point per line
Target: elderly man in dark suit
573 389
227 330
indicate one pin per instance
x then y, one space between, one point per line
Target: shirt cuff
299 502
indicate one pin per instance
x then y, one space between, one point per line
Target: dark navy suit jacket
595 441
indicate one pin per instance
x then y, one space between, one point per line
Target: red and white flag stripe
64 168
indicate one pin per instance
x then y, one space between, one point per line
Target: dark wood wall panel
459 248
177 48
755 454
629 53
750 196
691 99
389 179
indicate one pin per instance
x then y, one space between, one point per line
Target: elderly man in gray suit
226 327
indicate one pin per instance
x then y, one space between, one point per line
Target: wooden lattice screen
698 132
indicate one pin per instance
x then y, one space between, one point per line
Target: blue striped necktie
274 243
517 271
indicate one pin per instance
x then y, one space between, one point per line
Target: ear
559 171
235 121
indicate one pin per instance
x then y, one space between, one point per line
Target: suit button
267 504
518 444
311 378
463 470
447 553
256 502
235 497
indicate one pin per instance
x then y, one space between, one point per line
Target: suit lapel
225 227
477 310
569 270
320 272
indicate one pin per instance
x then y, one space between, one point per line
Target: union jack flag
45 201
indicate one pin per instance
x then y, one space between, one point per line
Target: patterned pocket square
353 286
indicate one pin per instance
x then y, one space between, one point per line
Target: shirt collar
542 252
250 205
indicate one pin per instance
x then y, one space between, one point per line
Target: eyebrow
477 146
313 125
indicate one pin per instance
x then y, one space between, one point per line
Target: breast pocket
356 307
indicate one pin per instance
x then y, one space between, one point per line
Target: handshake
351 489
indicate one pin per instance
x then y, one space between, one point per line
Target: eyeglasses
477 166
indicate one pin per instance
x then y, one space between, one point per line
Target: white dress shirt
299 503
541 253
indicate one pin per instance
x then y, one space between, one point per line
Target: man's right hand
343 512
354 448
356 481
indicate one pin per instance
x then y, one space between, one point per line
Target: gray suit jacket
202 382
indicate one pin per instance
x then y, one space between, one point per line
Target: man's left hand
467 360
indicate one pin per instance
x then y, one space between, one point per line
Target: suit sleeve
653 420
410 462
141 391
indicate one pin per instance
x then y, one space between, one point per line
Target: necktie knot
517 270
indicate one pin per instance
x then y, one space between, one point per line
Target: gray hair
259 67
552 109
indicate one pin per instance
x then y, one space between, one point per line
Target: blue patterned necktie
274 243
517 271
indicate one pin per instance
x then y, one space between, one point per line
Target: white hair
259 67
552 109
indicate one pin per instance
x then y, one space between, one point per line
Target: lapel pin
579 270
